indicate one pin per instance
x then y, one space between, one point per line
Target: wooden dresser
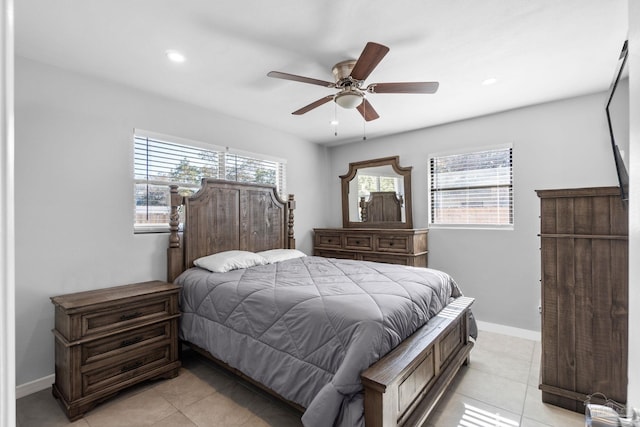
584 295
109 339
393 246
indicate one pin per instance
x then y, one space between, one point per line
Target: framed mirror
377 194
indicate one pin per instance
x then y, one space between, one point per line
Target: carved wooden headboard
382 206
227 215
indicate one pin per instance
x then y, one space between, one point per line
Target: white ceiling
538 50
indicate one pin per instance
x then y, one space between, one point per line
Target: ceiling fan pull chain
364 122
335 119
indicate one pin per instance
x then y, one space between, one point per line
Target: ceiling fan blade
287 76
367 111
370 57
407 87
313 105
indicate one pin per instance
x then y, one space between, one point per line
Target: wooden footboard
403 387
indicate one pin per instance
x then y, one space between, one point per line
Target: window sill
151 229
472 227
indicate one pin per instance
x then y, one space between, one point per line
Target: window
369 183
472 189
161 160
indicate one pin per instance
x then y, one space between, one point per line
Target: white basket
605 413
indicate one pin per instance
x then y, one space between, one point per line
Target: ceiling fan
349 77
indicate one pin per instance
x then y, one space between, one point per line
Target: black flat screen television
617 109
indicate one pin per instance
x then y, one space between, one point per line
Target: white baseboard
34 386
45 382
509 330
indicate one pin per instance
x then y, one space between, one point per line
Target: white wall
562 144
634 207
7 235
74 190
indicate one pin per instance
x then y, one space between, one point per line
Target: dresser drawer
99 349
335 254
394 246
125 315
387 258
123 369
328 240
397 244
358 242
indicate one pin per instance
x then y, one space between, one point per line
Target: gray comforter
308 327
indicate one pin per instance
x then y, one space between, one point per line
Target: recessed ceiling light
489 81
334 123
175 56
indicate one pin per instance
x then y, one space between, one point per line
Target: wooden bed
403 387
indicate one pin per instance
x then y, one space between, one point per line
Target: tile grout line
526 392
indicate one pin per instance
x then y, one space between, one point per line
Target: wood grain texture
381 206
229 215
109 339
403 387
584 254
392 246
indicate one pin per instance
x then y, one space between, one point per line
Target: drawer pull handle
329 240
357 242
126 343
132 366
130 316
390 243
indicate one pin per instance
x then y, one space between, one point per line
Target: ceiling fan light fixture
349 99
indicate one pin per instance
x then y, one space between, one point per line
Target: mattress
307 327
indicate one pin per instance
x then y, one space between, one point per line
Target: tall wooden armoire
584 253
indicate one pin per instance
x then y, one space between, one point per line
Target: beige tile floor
498 388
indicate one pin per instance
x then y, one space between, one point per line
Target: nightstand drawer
399 244
126 315
136 364
329 241
358 242
99 349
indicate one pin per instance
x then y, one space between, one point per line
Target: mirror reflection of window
370 180
376 193
369 183
376 181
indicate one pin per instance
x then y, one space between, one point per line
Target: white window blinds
472 189
160 161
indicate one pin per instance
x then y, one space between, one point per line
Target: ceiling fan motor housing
350 96
342 70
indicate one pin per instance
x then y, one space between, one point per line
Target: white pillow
277 255
229 260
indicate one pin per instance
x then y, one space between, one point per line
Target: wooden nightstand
109 339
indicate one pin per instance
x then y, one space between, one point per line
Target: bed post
363 210
291 205
175 256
